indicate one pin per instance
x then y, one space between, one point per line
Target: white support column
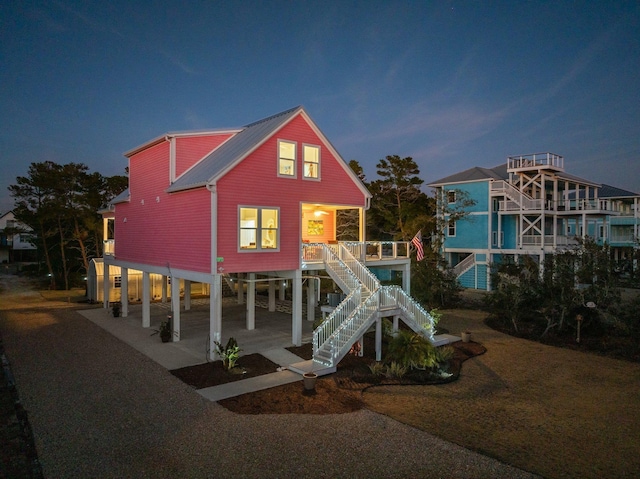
406 278
124 291
106 279
175 307
283 290
378 339
311 299
296 310
164 289
272 295
240 289
251 302
146 300
395 323
187 295
215 315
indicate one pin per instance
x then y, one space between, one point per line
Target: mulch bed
213 373
337 393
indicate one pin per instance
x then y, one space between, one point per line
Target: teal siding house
530 206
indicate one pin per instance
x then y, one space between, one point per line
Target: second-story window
311 158
452 228
451 196
287 159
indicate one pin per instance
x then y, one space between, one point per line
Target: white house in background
15 240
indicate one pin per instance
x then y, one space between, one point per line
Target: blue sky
453 84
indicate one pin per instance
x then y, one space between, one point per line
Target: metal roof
476 173
234 150
608 191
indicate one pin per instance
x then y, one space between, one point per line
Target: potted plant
164 331
116 310
466 336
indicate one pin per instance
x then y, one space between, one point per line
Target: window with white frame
494 238
259 228
311 161
451 228
287 158
117 281
451 196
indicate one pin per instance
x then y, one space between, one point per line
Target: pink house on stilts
260 203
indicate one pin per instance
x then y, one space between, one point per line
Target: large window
259 228
286 158
311 158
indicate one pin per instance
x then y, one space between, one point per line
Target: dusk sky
453 84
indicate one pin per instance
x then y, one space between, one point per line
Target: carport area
272 333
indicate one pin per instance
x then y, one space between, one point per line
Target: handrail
464 265
366 297
414 312
523 200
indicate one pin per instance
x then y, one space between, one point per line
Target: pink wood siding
190 150
162 229
254 182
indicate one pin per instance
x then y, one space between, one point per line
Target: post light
579 319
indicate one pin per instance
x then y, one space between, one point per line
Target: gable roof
608 191
476 173
234 150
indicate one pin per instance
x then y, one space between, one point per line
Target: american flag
417 242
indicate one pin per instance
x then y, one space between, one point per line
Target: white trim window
287 158
451 196
259 228
117 281
311 162
451 228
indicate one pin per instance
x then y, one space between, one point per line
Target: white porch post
105 285
175 307
187 295
378 339
283 290
164 289
311 299
296 310
240 289
124 291
215 315
272 295
406 278
251 302
146 300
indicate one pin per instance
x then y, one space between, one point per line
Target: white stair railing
464 265
414 315
365 298
522 199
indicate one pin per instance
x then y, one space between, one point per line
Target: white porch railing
108 247
535 160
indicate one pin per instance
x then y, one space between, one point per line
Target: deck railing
535 160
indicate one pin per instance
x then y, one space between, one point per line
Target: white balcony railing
108 247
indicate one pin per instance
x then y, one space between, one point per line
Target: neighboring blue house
530 206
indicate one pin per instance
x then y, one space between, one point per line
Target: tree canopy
60 204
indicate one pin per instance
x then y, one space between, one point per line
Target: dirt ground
556 412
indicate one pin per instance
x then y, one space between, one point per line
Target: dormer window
311 159
287 159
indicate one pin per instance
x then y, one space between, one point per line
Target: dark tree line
60 203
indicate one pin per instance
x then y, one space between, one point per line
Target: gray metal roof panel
233 150
608 191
